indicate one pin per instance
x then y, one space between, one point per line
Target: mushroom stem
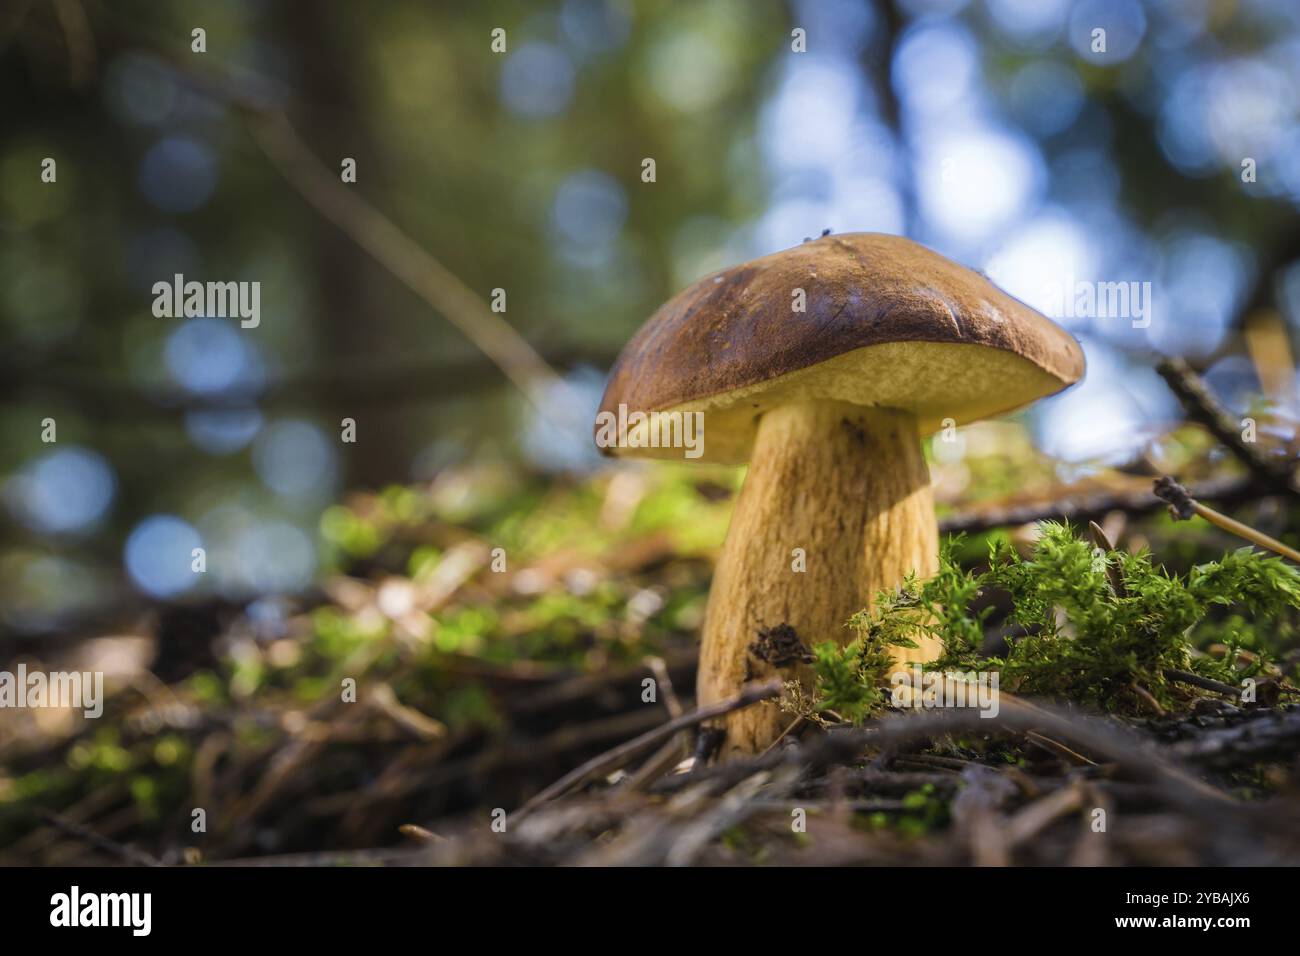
847 485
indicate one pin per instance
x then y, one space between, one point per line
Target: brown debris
780 646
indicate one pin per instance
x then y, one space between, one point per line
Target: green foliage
923 811
1098 624
893 621
848 679
846 687
1099 627
348 531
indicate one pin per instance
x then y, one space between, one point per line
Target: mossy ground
482 676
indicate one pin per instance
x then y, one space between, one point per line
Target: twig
953 764
419 834
659 667
1078 507
420 726
1015 715
1033 819
584 686
670 753
127 854
1276 736
1205 683
1059 749
404 258
78 39
428 770
977 815
785 733
1182 506
1113 575
734 807
750 694
663 760
385 856
1202 408
1148 698
388 245
1091 848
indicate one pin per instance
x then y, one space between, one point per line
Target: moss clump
1097 626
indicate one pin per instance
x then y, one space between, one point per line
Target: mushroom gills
939 382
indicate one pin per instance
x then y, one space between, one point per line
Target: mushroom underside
934 381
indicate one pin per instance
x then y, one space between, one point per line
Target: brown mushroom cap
888 323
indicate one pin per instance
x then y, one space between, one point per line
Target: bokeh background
988 129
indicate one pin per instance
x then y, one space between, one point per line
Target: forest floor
498 669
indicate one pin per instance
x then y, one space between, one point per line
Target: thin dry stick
370 229
413 831
670 753
1113 574
1036 817
1205 683
659 667
750 694
1245 531
1079 505
127 854
1182 506
1148 698
1092 849
405 259
785 733
1058 748
663 760
1016 715
78 39
1203 408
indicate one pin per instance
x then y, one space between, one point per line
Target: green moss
349 532
923 812
1099 624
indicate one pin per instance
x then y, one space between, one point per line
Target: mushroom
828 403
